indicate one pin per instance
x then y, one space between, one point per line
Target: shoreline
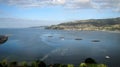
86 30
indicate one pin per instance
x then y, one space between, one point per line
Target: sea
60 46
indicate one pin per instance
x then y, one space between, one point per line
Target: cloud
78 4
58 2
33 3
108 4
74 4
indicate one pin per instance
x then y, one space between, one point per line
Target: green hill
111 24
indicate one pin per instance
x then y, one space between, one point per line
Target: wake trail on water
47 55
54 51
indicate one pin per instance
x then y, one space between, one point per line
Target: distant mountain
40 27
111 24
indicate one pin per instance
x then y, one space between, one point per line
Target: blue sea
60 46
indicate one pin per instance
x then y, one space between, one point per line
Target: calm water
31 44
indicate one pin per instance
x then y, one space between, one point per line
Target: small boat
3 39
50 36
78 39
95 40
62 38
107 57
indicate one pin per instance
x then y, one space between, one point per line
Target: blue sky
48 12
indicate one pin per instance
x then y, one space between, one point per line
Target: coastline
117 31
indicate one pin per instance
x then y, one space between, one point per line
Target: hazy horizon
25 23
27 13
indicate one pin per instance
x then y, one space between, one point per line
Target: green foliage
83 65
34 64
92 65
24 64
102 65
70 65
64 66
13 64
4 62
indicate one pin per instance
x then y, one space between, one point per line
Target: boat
95 40
62 38
50 36
78 39
3 39
107 57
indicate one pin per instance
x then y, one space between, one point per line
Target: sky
27 13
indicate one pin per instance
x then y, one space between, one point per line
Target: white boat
107 57
62 38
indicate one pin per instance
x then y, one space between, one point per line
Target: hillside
111 24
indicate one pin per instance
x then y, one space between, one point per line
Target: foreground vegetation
111 24
88 63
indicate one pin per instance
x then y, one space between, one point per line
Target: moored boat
95 40
62 38
107 57
50 36
78 39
